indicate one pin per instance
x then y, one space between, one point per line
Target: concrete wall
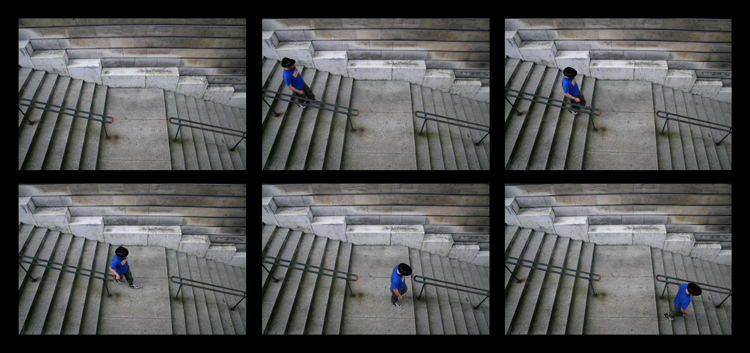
214 210
702 45
215 48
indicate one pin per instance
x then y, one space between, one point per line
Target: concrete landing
370 311
384 139
626 137
626 303
139 311
139 138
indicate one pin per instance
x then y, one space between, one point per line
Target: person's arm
578 100
298 91
117 276
395 291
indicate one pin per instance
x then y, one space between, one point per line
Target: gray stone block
613 69
334 62
511 209
26 210
218 94
680 79
88 227
51 60
724 95
370 69
194 244
578 60
297 218
483 94
368 234
301 52
464 252
165 236
679 242
55 218
194 86
268 210
651 235
239 259
724 257
439 244
572 227
439 79
238 99
537 218
705 251
512 42
650 70
410 236
408 70
707 88
269 43
126 235
89 70
162 77
466 88
124 77
541 52
332 227
221 253
25 50
482 258
611 235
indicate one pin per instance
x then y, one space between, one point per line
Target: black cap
694 289
404 269
121 252
286 62
570 72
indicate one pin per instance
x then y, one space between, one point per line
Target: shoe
300 105
668 317
135 286
397 303
573 112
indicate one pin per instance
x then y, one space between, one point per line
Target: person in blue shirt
570 88
398 283
119 266
293 79
682 299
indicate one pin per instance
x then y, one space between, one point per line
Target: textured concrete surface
370 311
625 136
138 135
626 303
139 311
385 133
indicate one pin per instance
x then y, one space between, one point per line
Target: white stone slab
194 86
464 252
679 242
368 234
124 76
725 95
610 235
165 236
301 52
542 52
269 43
218 94
483 94
88 227
707 88
238 99
89 70
370 69
466 88
239 259
51 60
194 244
613 69
334 62
408 70
537 218
724 257
162 77
439 79
650 70
221 253
297 218
652 235
575 228
332 227
680 79
26 210
55 218
576 59
439 244
25 50
511 44
482 258
511 209
126 235
407 235
705 251
268 210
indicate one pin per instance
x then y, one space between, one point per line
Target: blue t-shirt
119 265
397 281
570 86
293 77
682 300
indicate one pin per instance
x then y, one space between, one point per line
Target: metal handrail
704 286
179 123
289 264
33 261
461 123
106 119
570 105
591 276
307 102
462 287
182 281
666 116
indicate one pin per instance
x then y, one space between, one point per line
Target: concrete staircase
62 303
304 303
317 139
547 303
61 142
544 137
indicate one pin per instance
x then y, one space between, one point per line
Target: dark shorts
393 295
308 93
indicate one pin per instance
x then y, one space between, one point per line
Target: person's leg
308 92
403 290
129 276
580 96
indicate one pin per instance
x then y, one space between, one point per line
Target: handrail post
725 299
104 126
351 293
480 303
24 115
349 118
591 284
482 139
178 291
420 292
269 273
666 120
27 272
725 136
666 283
591 120
423 124
179 126
238 303
238 143
511 273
